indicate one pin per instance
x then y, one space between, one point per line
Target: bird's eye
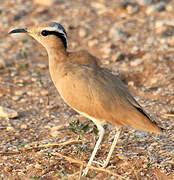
44 33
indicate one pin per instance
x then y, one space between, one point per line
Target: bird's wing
103 96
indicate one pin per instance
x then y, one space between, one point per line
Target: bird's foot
104 164
96 162
85 172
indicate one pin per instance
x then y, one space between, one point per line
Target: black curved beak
18 31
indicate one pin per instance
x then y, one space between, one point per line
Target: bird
89 89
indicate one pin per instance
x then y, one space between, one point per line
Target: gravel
134 39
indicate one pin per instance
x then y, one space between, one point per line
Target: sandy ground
135 39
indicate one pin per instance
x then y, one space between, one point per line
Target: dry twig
41 146
169 115
85 164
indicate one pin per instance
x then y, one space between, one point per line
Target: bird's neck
57 58
55 49
56 54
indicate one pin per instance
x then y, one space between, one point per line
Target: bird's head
49 34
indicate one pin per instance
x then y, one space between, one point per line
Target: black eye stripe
57 34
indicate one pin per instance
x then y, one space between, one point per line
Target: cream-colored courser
87 88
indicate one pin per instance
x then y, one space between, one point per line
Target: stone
38 166
23 126
136 62
105 62
2 64
19 92
93 42
117 34
106 51
132 9
10 129
161 23
82 32
55 131
47 3
42 66
160 6
131 83
145 2
134 49
119 56
170 7
154 81
8 169
7 113
97 5
44 92
15 98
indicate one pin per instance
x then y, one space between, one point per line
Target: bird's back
83 57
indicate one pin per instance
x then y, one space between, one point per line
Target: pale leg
101 133
118 131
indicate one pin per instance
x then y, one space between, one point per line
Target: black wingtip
148 116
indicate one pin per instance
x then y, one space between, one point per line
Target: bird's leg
118 131
101 134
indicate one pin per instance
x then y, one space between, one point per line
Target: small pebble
134 49
74 44
4 158
154 144
82 32
21 174
7 113
171 162
41 100
15 98
23 126
10 129
118 57
44 92
7 169
42 66
160 6
154 81
117 34
142 173
131 83
105 62
136 62
2 64
106 51
29 167
38 166
23 100
14 73
145 2
19 92
47 3
92 43
97 5
132 9
55 131
170 7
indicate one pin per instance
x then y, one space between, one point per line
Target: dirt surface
135 40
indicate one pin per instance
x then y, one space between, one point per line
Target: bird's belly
98 122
